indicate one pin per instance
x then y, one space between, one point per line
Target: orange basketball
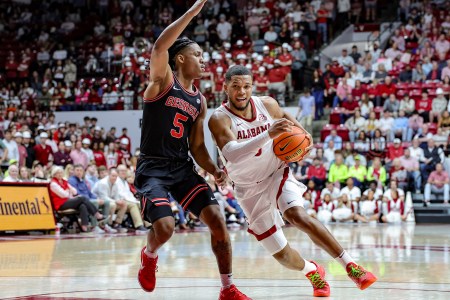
292 146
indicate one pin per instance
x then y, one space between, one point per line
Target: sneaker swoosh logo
284 147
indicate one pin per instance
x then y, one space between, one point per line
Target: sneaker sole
368 283
148 291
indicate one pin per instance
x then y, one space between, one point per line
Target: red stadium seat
415 86
343 132
402 86
335 116
432 128
326 131
406 145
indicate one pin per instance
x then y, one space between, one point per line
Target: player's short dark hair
237 70
178 46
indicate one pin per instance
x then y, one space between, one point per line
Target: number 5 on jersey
177 123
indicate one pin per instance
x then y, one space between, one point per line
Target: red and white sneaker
232 293
147 272
317 279
360 276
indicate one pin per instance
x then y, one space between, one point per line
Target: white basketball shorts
262 203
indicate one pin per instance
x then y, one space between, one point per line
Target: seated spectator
394 208
343 212
444 122
368 208
349 106
62 156
132 204
300 170
13 174
411 165
108 188
400 126
331 190
378 192
91 175
372 124
338 173
353 192
42 150
24 174
432 155
423 106
362 143
337 140
357 172
386 89
365 105
109 207
11 145
377 145
377 172
343 90
325 211
350 160
438 106
415 124
440 138
398 173
394 151
437 183
64 196
392 105
329 153
386 123
317 173
355 124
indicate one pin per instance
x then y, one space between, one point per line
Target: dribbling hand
197 7
280 126
220 177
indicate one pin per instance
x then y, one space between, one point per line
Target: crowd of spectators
91 55
389 125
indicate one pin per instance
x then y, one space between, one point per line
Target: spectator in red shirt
394 151
42 150
349 106
262 82
317 173
94 99
125 136
336 68
11 68
423 106
385 89
277 78
99 156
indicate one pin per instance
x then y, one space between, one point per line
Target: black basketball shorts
186 186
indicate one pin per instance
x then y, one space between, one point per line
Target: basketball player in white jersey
244 129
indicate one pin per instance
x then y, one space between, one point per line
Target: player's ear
180 58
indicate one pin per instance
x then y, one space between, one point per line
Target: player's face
193 60
239 91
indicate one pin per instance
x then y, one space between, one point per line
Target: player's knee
298 217
163 229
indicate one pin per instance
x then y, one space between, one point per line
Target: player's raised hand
197 7
280 126
220 177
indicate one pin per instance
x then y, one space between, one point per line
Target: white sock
150 254
309 267
227 280
344 259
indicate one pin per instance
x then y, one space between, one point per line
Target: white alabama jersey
259 167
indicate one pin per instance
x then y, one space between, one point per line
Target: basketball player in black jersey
174 111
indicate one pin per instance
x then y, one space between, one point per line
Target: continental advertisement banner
25 207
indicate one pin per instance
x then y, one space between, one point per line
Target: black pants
83 205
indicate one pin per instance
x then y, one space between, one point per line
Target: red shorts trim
193 197
283 181
192 191
264 235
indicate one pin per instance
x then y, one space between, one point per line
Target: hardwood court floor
411 261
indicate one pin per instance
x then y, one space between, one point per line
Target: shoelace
356 272
316 280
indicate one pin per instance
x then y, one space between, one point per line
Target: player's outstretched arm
160 73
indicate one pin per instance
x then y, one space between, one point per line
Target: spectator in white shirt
11 145
353 193
346 60
90 154
13 174
224 29
270 35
